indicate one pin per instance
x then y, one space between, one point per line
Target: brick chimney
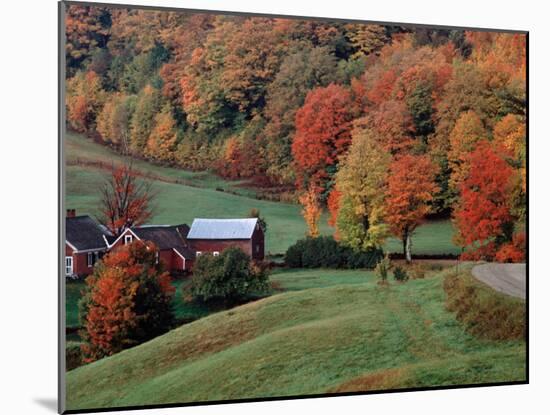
71 213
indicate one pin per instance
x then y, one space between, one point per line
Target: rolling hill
380 337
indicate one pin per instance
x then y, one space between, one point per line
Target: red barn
174 251
215 235
86 241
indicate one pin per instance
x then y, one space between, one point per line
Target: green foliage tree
228 277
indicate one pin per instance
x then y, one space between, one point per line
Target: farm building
215 235
86 241
174 251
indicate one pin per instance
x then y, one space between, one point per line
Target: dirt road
506 278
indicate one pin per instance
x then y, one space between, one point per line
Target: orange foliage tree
411 188
323 127
127 301
125 200
483 215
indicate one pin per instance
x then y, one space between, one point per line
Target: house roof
84 233
222 228
164 237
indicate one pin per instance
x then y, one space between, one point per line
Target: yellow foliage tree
311 211
361 181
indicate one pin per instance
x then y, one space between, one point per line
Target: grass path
339 337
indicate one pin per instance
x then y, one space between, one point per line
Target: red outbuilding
215 235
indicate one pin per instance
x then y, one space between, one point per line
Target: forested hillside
382 125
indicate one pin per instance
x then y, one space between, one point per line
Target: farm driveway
506 278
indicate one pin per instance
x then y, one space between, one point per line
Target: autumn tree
393 126
299 73
127 301
411 188
163 137
367 38
126 200
311 211
511 133
114 120
253 57
87 29
361 181
84 98
483 218
147 106
467 131
323 127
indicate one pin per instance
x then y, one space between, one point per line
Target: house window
215 253
257 249
90 259
68 265
199 253
127 239
157 257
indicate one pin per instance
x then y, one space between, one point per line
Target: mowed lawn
282 280
178 203
345 337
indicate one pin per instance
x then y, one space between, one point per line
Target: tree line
382 125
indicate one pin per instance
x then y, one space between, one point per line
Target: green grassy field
177 203
354 336
282 279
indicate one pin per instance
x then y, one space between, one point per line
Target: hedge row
326 252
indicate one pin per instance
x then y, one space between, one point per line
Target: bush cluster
326 252
484 312
400 274
228 277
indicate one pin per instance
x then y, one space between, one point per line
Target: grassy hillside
179 203
282 280
380 337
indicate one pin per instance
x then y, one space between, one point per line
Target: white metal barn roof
222 228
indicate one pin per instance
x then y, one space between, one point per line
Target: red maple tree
126 200
127 301
323 127
483 209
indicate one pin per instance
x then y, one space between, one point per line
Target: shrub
127 301
73 355
293 255
382 268
484 312
416 271
228 277
326 252
513 251
399 274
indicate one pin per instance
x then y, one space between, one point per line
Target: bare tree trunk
408 246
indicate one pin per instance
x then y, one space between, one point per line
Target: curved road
506 278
